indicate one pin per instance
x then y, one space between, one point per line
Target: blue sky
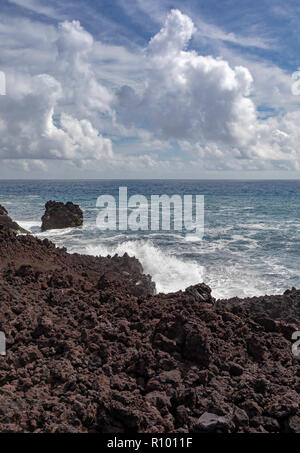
133 88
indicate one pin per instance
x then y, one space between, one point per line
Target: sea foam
168 272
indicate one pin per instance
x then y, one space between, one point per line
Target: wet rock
59 215
138 284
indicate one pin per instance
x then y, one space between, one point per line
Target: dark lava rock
59 215
92 349
235 369
294 424
201 293
240 418
7 222
269 424
197 347
3 211
212 423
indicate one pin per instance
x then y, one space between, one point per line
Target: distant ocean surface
251 244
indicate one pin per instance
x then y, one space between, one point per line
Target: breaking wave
168 272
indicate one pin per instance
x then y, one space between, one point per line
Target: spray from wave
170 273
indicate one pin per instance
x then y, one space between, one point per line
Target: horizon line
147 179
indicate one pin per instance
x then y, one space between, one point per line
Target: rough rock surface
87 353
59 215
210 423
6 221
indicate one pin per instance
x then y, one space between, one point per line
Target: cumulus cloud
189 96
204 101
67 100
55 115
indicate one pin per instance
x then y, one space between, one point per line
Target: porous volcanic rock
6 221
59 215
86 353
212 423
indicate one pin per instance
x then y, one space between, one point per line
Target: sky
149 89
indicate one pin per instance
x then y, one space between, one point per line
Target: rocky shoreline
92 348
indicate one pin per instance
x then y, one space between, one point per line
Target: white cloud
157 10
37 7
212 32
69 96
55 115
189 96
26 165
206 102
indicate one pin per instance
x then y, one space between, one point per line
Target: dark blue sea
251 244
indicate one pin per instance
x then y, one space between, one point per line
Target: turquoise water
251 244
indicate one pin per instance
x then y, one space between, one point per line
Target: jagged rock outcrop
86 353
6 221
59 215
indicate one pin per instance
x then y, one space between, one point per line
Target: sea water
251 243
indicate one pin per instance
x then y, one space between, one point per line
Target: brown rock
7 222
212 423
86 353
59 215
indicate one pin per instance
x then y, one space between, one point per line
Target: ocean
251 244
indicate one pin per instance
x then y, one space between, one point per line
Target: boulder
201 293
59 215
7 222
3 211
235 369
294 424
212 423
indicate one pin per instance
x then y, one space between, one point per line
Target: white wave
193 238
168 272
56 233
255 226
6 202
30 225
34 226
